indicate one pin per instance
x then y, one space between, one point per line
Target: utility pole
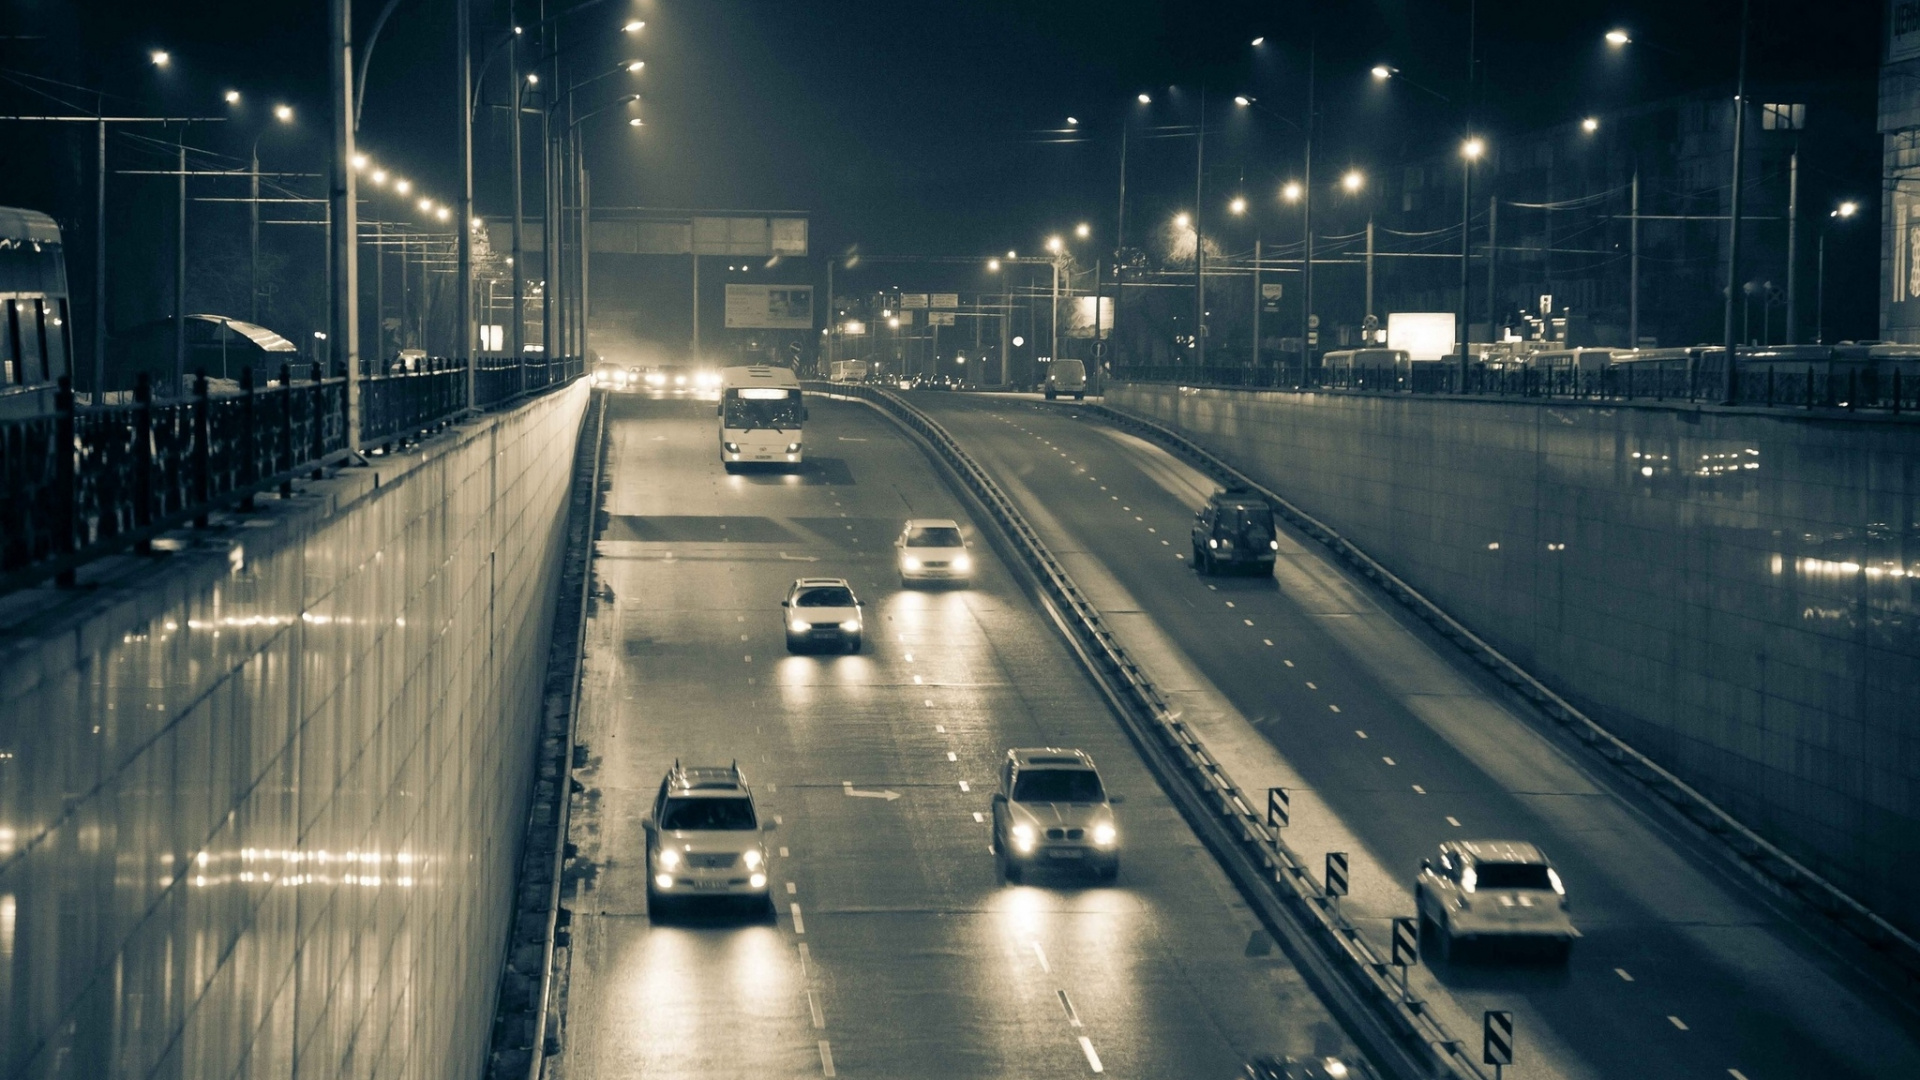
463 228
695 256
1369 310
1256 299
1633 264
1493 257
516 260
1119 256
100 267
1733 231
1306 227
1199 240
343 334
1466 237
180 277
1054 351
1793 247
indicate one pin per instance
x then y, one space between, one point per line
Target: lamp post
1841 213
1470 152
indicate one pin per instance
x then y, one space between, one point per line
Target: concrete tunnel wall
259 802
1733 592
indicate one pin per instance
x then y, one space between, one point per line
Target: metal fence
1835 387
84 482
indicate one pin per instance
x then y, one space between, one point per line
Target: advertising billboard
1425 335
1080 317
770 307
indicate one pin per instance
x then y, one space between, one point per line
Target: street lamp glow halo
1353 180
1590 125
1291 192
1182 220
1618 37
1242 100
1238 205
1083 230
1144 99
1847 209
283 113
160 57
1259 41
1382 72
232 97
1473 148
633 27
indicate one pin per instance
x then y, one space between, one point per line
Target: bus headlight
731 447
793 448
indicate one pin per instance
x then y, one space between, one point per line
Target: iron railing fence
85 481
1848 388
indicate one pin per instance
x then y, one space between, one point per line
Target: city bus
35 344
848 371
760 417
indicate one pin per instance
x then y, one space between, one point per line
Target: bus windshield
759 407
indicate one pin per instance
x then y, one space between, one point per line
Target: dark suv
1234 530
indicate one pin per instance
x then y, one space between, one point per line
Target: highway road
896 952
1305 680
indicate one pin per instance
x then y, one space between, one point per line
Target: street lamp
633 27
283 113
1470 151
1073 121
1238 205
1841 213
1054 244
403 185
1352 181
1083 230
160 58
1144 99
993 265
1291 192
1590 125
1617 37
232 97
1381 73
1182 220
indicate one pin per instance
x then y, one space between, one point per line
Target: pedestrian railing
1833 387
82 482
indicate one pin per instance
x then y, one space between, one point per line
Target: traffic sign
1406 943
1279 810
939 318
913 300
1496 1030
1313 322
946 300
1336 873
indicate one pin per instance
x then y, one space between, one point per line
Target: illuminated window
1783 117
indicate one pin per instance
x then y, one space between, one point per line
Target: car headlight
757 881
851 626
1023 838
797 626
1274 544
732 447
1212 543
654 378
910 562
754 858
793 448
962 563
1104 834
663 881
1553 878
669 858
1468 879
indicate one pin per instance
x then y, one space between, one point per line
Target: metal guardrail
1854 917
83 482
1274 878
1833 389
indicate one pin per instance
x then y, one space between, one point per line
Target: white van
1067 377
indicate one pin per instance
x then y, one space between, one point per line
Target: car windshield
708 815
934 536
1507 875
1057 785
1252 521
749 414
825 596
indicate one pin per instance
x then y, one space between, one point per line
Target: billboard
1424 335
770 307
1080 317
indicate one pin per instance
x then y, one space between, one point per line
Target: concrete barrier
260 799
1730 591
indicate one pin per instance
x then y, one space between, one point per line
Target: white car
1052 811
1486 891
820 612
932 549
705 839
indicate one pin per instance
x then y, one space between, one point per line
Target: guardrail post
249 461
143 459
202 447
66 490
287 461
319 420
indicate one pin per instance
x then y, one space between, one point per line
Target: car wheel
1199 564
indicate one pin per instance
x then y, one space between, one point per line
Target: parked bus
35 347
849 371
761 414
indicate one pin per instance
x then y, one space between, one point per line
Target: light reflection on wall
290 869
1838 568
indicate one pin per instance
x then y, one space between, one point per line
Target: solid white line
1677 1022
826 1059
1622 972
1453 821
1093 1059
1037 951
819 1018
964 786
799 924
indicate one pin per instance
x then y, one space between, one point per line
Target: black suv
1234 530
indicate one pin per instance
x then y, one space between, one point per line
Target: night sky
925 127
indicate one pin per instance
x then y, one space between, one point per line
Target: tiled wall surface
1734 594
258 810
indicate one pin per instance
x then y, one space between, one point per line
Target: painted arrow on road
847 786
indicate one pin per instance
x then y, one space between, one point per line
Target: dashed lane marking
1388 760
1360 733
826 1059
1622 972
1073 1018
1266 641
1335 708
1249 622
799 924
1677 1022
1453 821
1418 790
783 853
951 756
978 818
790 888
940 729
964 786
813 1006
1042 954
1310 686
1289 663
1093 1059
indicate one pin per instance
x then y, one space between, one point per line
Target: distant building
1900 172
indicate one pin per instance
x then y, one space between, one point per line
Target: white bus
760 416
849 371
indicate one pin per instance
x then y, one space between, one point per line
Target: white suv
932 549
1493 891
704 839
820 612
1051 810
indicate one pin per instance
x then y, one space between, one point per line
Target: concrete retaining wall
1732 592
259 800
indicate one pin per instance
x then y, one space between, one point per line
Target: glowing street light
636 122
1617 37
1259 41
283 113
1381 73
1473 148
1011 254
633 27
426 206
403 186
443 213
533 79
160 57
359 162
1238 205
1083 230
636 65
1353 181
1055 244
1242 100
1292 191
379 177
232 97
1590 125
1846 209
1145 100
993 265
1073 121
1182 220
